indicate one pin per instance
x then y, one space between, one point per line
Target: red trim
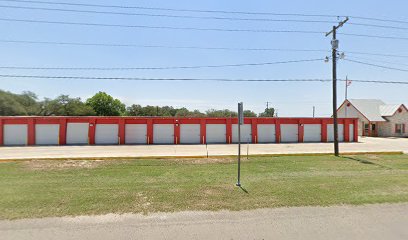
355 128
122 131
228 131
254 130
301 131
324 130
149 131
31 131
91 131
176 131
1 132
346 131
277 131
63 131
203 130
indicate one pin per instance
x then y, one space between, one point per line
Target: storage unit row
109 131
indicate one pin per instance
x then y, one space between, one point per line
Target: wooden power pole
335 45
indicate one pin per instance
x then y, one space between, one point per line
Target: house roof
389 109
370 108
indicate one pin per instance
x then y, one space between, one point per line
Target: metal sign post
240 122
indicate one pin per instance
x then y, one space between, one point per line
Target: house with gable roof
376 118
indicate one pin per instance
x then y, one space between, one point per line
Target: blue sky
291 99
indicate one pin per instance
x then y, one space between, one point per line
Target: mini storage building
152 130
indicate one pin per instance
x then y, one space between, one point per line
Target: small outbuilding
376 118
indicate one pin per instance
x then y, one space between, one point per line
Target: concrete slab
45 152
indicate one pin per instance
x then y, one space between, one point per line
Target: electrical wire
372 36
194 47
207 11
380 61
194 28
161 46
376 54
195 79
199 17
167 15
157 27
376 65
159 68
171 9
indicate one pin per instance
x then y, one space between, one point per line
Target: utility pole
314 110
240 122
335 45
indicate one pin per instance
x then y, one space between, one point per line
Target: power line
159 68
194 79
197 17
208 11
172 9
373 36
376 54
376 81
376 65
192 47
380 61
167 15
157 27
159 46
163 79
378 26
193 28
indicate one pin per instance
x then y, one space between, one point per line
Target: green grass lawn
58 188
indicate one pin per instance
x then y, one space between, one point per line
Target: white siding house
376 118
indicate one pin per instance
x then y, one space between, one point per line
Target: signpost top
240 113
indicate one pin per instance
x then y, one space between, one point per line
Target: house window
399 128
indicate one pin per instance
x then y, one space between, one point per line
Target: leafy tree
10 106
65 106
134 110
249 113
269 112
221 113
105 105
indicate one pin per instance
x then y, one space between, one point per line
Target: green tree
249 113
63 105
221 113
269 112
10 106
134 110
105 105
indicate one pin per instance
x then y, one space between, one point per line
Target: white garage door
77 133
246 133
289 133
351 132
136 134
46 134
163 133
190 133
266 133
15 134
107 134
330 133
216 133
312 133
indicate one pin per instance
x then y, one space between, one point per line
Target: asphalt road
46 152
372 222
